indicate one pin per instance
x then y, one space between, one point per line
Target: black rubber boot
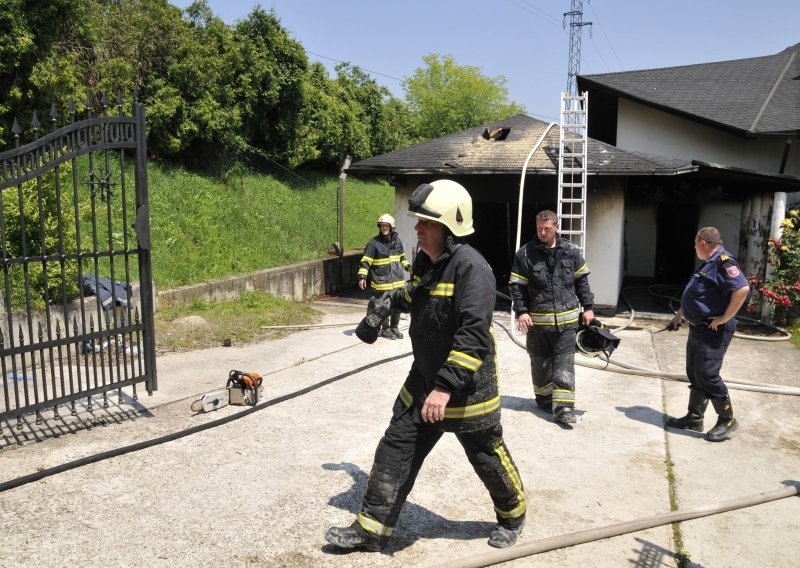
386 331
726 423
352 538
503 537
698 402
395 321
564 414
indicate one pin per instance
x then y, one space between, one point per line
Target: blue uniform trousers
705 351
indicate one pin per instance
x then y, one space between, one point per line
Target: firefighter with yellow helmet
452 385
382 264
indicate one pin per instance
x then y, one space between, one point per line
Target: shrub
782 289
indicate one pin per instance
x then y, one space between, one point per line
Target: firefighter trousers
398 459
552 355
705 350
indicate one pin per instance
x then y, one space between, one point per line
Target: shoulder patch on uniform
732 270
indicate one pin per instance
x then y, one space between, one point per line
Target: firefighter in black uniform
709 304
452 385
549 284
383 263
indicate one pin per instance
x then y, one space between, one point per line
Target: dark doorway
675 232
493 225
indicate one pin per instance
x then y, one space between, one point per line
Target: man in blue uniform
452 385
709 303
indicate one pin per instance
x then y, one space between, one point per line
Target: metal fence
76 283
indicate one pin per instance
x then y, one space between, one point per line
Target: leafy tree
446 97
270 72
28 31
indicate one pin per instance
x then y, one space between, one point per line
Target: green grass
204 229
239 320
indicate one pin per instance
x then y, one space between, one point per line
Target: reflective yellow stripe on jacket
385 261
457 412
560 318
518 279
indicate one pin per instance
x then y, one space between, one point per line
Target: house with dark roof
644 202
743 115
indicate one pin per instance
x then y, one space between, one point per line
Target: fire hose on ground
617 529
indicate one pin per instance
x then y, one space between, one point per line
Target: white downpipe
521 194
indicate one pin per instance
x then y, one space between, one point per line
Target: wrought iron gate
75 241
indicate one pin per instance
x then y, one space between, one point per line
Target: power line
349 63
603 31
599 54
538 12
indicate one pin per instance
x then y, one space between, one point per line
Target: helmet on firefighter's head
386 218
444 201
595 339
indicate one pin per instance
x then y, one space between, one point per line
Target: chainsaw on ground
242 389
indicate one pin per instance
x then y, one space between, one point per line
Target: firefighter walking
383 264
452 385
549 284
709 304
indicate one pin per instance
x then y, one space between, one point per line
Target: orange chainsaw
242 389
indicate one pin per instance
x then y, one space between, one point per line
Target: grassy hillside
204 229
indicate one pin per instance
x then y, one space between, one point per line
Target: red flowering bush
783 288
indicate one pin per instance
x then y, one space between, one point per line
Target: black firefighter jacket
384 261
550 287
451 303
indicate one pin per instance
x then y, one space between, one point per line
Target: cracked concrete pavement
261 490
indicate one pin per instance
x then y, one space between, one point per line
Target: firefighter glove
378 309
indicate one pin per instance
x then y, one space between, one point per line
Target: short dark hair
547 215
710 235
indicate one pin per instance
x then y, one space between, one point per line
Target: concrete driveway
262 490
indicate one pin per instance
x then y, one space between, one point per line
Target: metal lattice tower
576 24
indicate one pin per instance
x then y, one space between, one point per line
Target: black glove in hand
674 325
378 310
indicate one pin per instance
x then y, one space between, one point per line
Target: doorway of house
675 231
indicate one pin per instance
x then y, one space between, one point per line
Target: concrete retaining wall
296 282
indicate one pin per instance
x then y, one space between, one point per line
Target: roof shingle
759 96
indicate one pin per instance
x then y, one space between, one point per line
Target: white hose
599 533
644 372
522 193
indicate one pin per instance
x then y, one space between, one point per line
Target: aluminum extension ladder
572 165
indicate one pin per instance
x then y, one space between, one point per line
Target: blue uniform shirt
709 291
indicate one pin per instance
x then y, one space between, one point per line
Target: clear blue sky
523 40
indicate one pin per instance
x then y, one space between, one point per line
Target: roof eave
767 176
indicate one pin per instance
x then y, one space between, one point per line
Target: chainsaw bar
211 401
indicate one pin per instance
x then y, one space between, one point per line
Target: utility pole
576 24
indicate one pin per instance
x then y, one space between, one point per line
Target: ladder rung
571 185
571 216
569 200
